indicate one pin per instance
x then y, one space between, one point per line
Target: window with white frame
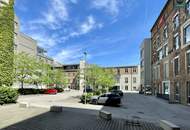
187 34
176 42
160 54
176 21
176 66
188 61
134 80
126 80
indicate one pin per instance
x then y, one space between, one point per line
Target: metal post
85 54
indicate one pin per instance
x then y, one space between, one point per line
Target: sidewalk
15 118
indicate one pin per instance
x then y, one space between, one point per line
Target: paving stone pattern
69 120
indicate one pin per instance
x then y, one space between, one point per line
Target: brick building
170 39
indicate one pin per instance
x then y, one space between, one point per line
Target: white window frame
177 34
188 52
182 40
173 19
168 87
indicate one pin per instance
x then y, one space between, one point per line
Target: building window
176 21
176 42
118 71
176 66
166 71
160 54
165 49
134 88
126 70
166 88
126 87
126 80
134 80
188 7
165 33
187 34
134 70
188 62
177 97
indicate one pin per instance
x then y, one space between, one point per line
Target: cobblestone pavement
72 119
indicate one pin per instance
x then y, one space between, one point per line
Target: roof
116 67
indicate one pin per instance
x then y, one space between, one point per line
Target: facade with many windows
170 37
127 77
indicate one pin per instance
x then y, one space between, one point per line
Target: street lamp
85 55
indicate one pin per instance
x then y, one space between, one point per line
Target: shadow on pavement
77 119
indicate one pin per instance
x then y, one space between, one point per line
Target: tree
6 43
59 78
24 68
97 76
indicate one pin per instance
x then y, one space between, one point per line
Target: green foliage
28 69
24 68
59 78
97 77
88 97
97 92
8 95
6 43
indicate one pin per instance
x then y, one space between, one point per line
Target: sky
110 31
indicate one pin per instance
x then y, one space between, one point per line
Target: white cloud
55 15
69 54
86 27
111 6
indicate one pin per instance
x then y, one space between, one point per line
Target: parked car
51 91
106 99
119 92
94 100
67 89
148 91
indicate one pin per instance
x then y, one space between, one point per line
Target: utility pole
85 55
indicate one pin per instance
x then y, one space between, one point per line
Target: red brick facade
163 45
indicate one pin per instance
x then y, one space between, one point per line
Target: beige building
22 42
26 44
127 77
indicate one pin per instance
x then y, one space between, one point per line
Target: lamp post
85 55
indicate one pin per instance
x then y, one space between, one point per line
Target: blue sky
111 31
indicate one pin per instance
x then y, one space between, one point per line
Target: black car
119 92
109 99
